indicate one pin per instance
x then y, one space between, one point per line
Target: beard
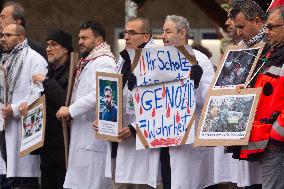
84 54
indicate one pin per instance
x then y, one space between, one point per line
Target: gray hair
181 22
249 8
146 25
279 8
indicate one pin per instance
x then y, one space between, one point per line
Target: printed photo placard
237 66
109 105
227 117
33 127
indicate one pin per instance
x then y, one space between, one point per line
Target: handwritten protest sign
173 62
164 113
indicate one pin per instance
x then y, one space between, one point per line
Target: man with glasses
21 63
184 166
126 165
55 83
86 164
267 136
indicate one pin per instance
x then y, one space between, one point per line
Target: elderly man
266 141
87 154
124 166
248 18
177 163
21 63
55 83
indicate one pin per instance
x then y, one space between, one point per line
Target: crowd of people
98 164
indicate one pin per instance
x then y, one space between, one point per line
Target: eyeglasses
132 33
51 45
7 35
271 26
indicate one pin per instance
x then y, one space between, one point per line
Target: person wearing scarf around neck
86 164
249 20
21 62
266 140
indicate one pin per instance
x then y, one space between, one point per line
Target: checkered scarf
13 63
102 49
256 39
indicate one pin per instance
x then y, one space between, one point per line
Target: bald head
12 35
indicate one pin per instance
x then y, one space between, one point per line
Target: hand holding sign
196 74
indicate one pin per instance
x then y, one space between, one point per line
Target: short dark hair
96 27
249 8
18 11
107 88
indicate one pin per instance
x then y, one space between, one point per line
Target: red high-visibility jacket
271 100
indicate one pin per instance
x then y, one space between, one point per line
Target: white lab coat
241 172
87 154
193 167
29 165
132 166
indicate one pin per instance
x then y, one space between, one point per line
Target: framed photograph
227 117
109 105
3 95
33 127
237 66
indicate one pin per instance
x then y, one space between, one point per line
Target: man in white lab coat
86 165
184 166
130 165
21 63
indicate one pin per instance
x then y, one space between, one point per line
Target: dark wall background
67 14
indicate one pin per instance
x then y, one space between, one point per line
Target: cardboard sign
162 64
109 105
237 66
227 117
164 113
33 127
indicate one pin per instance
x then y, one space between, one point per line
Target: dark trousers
24 182
52 177
165 167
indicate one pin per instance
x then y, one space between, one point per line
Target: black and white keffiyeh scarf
13 63
256 39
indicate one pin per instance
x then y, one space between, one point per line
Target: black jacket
55 89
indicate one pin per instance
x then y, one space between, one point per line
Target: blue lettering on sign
165 130
150 62
146 104
157 98
167 62
178 97
170 96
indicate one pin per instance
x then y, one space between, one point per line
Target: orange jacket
271 101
